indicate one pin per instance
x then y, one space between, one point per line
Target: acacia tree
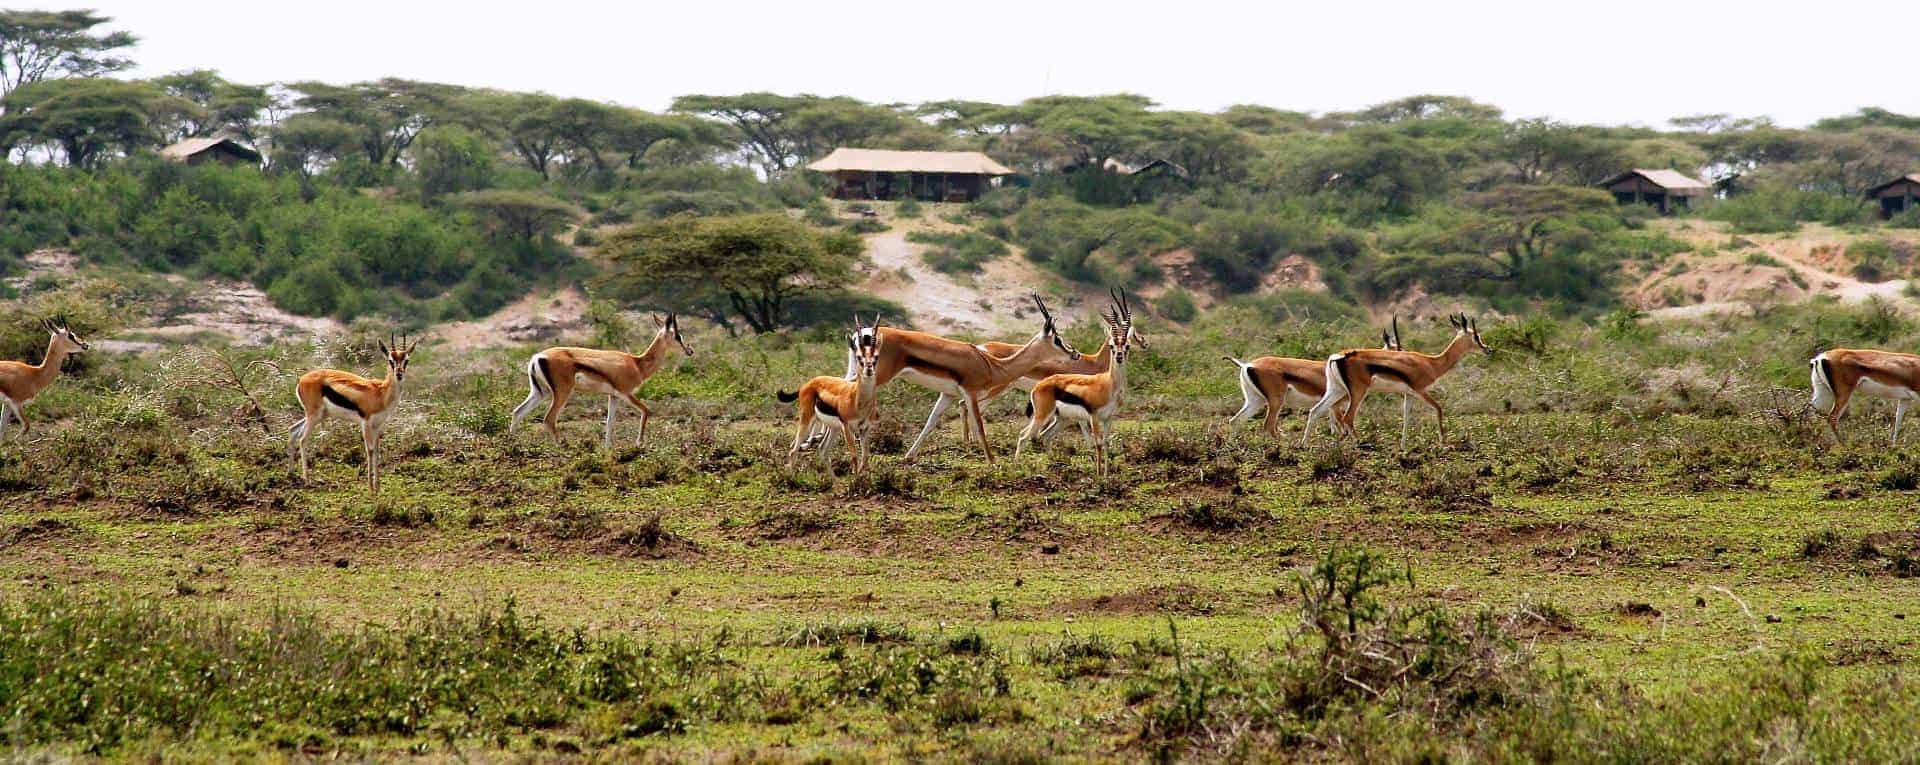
221 105
88 118
745 266
521 215
782 131
37 45
387 115
1519 225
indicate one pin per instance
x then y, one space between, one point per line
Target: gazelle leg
1899 416
979 424
560 393
800 435
1099 444
606 439
525 408
20 417
1439 416
366 450
1406 419
853 447
933 421
1840 400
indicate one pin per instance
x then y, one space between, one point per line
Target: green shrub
954 252
1176 305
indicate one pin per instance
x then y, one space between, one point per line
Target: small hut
933 176
221 149
1897 196
1666 190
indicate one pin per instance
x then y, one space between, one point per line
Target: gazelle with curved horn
1087 364
1271 382
1841 373
831 403
1093 399
21 382
1352 374
554 374
961 371
330 392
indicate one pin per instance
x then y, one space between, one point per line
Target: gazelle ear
656 320
385 350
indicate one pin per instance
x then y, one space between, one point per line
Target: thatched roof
1908 178
193 146
890 161
1673 181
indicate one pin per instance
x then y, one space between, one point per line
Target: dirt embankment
1733 272
990 304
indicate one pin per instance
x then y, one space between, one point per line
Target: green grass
1599 570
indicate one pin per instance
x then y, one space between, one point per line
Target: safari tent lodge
931 176
1896 196
1665 190
226 151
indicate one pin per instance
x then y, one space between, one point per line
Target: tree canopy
749 267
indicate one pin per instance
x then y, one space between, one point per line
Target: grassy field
1645 574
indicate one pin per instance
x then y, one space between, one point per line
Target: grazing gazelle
1840 373
20 382
961 371
1352 374
554 373
847 405
1091 399
1275 381
324 392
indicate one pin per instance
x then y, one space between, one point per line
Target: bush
1176 305
956 252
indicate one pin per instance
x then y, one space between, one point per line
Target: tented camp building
1897 196
1666 190
933 176
221 149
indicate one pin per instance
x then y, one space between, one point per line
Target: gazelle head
63 335
669 328
396 351
1470 328
864 343
1391 340
1119 325
1051 332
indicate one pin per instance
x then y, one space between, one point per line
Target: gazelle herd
1060 381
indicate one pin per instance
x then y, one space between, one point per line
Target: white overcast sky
1588 61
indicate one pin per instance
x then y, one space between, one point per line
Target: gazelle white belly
934 383
1294 397
1871 387
594 383
1387 385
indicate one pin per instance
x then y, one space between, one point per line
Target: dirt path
992 303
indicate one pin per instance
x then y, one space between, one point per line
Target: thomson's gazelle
325 392
1093 400
554 373
1840 373
1271 382
837 403
20 382
1352 374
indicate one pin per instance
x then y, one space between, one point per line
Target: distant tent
194 151
1897 196
1664 189
938 176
